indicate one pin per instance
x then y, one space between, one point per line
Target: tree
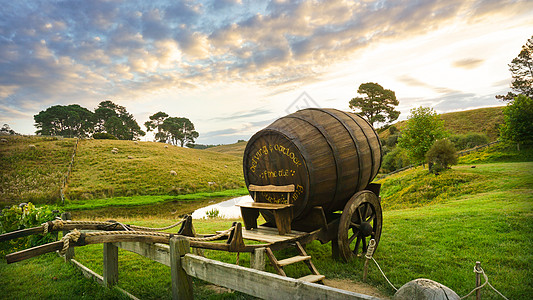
378 104
156 121
6 130
179 130
441 155
115 120
423 127
69 121
521 68
518 120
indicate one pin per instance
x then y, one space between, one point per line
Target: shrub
441 155
395 159
104 136
469 140
22 217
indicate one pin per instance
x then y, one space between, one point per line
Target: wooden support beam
110 264
181 282
261 284
257 259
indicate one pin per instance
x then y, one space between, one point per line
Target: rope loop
371 249
74 235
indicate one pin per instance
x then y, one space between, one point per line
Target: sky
234 66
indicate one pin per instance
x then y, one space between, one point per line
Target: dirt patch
357 287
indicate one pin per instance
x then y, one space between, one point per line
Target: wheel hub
366 229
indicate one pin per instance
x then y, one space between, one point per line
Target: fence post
181 282
70 251
478 280
110 264
257 259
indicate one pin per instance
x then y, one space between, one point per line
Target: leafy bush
469 140
104 136
441 155
501 152
395 159
22 217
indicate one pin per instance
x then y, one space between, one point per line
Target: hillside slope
32 168
144 168
236 149
482 120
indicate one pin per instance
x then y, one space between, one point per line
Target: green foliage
212 214
395 159
104 136
522 72
469 140
518 126
441 155
179 130
25 216
501 152
7 130
423 127
115 120
378 104
68 121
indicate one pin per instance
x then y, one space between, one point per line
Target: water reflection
226 209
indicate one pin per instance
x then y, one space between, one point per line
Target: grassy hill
236 149
34 173
482 120
32 168
144 168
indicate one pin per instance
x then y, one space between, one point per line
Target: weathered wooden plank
157 252
181 282
272 188
257 259
110 264
32 252
257 205
293 260
88 273
260 284
70 251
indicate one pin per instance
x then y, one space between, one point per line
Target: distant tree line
172 130
77 121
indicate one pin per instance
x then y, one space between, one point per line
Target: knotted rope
74 235
59 223
481 271
371 249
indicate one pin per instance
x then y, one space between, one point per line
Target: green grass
482 120
147 199
487 218
236 149
144 168
33 174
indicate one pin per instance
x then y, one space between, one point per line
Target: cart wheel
360 222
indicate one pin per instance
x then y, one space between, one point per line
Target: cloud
411 81
468 63
244 114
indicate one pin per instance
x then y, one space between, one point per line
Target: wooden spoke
361 218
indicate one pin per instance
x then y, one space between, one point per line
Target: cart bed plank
270 235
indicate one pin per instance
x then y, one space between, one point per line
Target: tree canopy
378 104
156 122
115 120
179 130
521 68
518 120
76 121
69 121
423 127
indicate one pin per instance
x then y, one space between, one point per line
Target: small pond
167 210
226 209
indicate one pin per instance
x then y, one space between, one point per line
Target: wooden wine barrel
328 155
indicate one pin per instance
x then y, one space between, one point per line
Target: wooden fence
185 265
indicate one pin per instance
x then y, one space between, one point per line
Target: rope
371 249
157 229
384 274
59 223
481 271
74 235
